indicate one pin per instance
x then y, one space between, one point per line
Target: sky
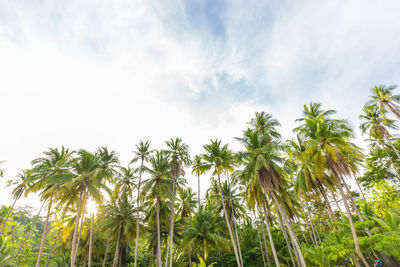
92 73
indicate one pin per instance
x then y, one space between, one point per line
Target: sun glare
91 207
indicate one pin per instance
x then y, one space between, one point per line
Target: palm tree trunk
30 231
360 188
190 258
228 223
79 235
9 213
353 229
171 227
392 162
198 188
44 232
271 241
311 226
336 202
107 246
265 241
138 213
292 235
328 205
261 248
91 241
286 239
116 255
393 147
158 233
53 246
78 213
234 225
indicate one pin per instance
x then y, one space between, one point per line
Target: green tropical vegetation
318 199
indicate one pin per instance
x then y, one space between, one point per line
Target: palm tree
201 233
198 168
119 217
49 174
221 159
89 171
383 97
179 155
125 181
262 160
376 124
327 140
158 186
142 153
21 185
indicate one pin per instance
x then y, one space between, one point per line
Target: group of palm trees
149 208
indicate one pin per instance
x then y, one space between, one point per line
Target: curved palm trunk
9 213
353 229
292 235
79 235
172 221
336 202
312 225
44 232
286 240
328 205
116 255
52 247
394 110
30 231
107 246
228 223
138 213
392 162
78 213
190 258
261 248
90 241
271 241
394 149
158 233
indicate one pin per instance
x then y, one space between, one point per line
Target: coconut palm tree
377 124
201 233
158 186
383 97
89 171
328 141
178 153
21 185
141 153
263 160
198 168
49 174
125 181
220 158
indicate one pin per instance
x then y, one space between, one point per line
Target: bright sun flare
91 207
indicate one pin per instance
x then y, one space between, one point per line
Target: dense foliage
273 203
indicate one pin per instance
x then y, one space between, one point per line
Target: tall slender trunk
52 247
46 224
79 235
360 188
91 241
265 240
116 255
158 233
30 231
393 147
261 247
336 202
292 235
328 205
138 213
234 224
286 239
396 169
107 246
171 224
271 241
190 258
353 229
55 241
78 213
228 223
9 213
312 224
198 188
